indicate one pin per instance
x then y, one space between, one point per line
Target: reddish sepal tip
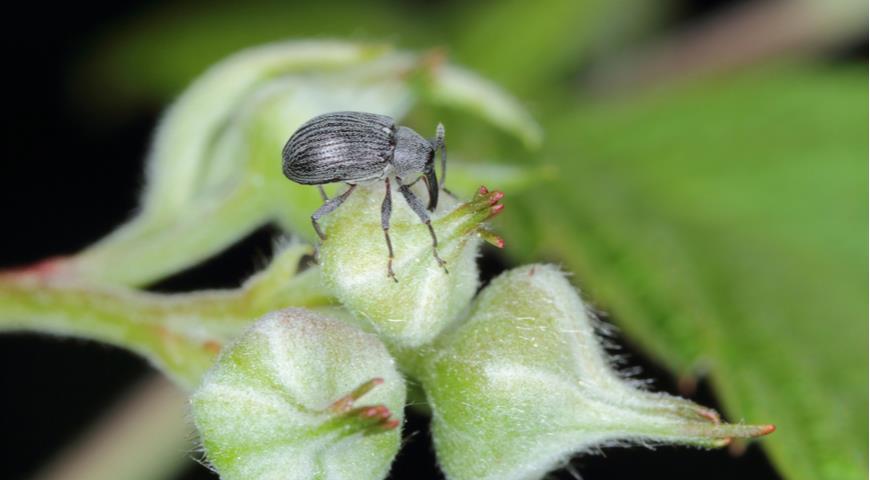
391 424
766 430
378 411
496 196
370 412
496 209
483 190
710 415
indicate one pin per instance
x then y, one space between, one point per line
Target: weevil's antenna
439 145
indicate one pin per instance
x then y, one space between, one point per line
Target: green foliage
722 222
539 45
725 226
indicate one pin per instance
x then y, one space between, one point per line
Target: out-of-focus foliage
725 226
154 55
722 221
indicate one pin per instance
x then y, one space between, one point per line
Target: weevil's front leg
323 195
421 212
386 211
327 207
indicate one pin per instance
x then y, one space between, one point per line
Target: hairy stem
179 333
147 249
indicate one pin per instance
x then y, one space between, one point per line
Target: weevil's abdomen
340 147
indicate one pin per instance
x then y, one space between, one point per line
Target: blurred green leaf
725 226
530 46
154 54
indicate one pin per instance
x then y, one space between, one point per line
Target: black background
66 180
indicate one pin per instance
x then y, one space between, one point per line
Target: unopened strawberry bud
412 307
301 396
525 384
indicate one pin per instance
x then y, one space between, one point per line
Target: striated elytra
358 147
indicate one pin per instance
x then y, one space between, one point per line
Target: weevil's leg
386 211
327 207
323 195
421 212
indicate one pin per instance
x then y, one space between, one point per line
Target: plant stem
178 333
147 249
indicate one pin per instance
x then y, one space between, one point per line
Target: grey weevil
357 147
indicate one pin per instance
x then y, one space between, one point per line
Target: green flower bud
525 384
424 298
282 402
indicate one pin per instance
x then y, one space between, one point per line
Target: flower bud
301 396
424 297
524 384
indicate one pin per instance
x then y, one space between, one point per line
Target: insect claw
441 262
390 272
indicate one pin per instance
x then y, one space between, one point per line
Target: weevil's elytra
357 147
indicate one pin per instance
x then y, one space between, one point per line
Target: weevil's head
415 156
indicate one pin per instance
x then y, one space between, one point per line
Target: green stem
147 249
179 333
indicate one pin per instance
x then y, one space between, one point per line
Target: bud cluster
517 379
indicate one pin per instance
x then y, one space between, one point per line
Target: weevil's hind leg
327 207
323 195
421 212
386 211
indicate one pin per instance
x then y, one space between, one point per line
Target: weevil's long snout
432 186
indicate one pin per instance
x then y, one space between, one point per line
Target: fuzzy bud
525 384
412 309
301 396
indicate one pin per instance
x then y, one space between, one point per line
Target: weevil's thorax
413 154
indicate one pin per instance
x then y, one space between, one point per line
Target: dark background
67 178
